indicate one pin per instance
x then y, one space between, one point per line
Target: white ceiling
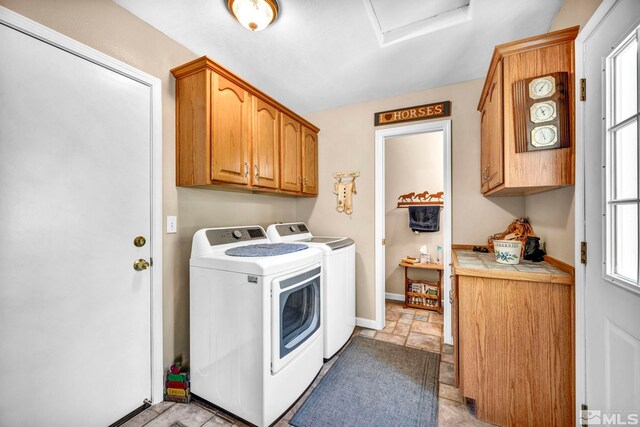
321 54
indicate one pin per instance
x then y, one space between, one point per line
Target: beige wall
347 143
107 27
552 213
574 12
413 163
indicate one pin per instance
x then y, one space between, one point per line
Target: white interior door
612 294
75 190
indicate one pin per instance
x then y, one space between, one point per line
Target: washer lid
258 266
334 243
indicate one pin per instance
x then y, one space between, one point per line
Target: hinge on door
583 252
584 415
583 89
383 242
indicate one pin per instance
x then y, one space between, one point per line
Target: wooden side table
423 295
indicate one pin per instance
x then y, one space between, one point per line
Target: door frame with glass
581 368
73 47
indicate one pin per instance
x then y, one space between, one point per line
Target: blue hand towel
424 218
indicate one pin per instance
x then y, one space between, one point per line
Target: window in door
621 163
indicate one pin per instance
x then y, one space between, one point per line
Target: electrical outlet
172 224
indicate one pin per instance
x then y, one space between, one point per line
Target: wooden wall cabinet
230 134
503 171
309 161
291 155
513 338
299 157
266 145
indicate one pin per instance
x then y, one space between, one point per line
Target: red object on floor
176 384
174 369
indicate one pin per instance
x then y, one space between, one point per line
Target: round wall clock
543 136
542 87
542 111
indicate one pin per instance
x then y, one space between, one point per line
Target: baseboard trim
366 323
395 297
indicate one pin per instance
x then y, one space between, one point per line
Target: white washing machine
256 335
338 280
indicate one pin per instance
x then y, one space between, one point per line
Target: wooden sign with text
419 112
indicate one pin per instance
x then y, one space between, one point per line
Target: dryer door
295 308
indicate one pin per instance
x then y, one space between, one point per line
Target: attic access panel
415 18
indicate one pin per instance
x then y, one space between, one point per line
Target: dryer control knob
237 234
292 227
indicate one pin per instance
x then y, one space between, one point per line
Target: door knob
140 264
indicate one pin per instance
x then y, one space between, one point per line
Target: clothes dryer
339 280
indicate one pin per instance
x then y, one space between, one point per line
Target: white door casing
607 314
380 135
80 178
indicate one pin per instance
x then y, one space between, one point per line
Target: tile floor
409 327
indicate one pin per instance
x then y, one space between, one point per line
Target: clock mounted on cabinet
541 112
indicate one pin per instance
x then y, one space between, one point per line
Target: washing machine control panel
222 236
292 229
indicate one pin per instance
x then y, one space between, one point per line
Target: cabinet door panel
231 125
266 145
309 161
290 155
485 147
496 150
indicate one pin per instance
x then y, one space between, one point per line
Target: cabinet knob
299 180
305 181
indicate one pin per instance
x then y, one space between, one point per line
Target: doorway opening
412 159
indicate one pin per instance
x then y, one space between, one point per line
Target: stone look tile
393 315
407 315
446 373
436 318
162 406
423 341
446 357
389 325
426 328
449 392
423 318
405 321
217 421
369 333
189 415
452 413
394 339
402 329
141 419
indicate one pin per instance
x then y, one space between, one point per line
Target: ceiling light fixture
254 15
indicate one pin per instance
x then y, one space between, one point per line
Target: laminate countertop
479 264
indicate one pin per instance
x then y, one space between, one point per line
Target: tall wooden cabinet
230 134
503 170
